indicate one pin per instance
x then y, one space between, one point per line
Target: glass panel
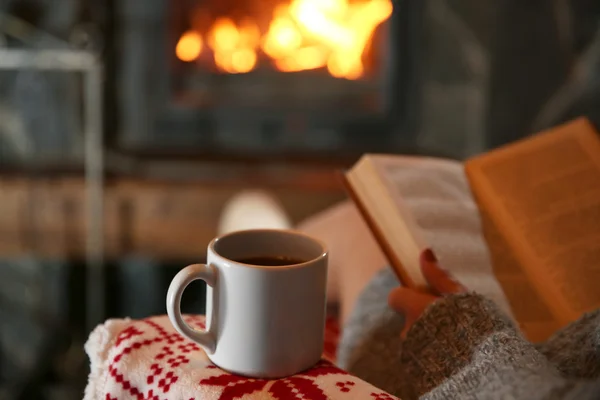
301 53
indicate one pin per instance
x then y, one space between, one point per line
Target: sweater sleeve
464 347
575 350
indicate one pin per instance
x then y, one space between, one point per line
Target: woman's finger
439 280
409 302
408 322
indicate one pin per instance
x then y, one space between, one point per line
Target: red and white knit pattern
148 360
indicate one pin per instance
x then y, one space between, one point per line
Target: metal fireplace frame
90 66
147 122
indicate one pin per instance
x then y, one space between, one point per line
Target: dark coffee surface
270 261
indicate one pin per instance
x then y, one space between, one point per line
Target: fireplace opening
317 54
256 78
334 35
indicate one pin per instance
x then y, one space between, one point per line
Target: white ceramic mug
262 321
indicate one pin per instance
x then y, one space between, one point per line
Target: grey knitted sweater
464 347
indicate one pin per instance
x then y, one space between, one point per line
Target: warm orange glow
189 46
310 34
283 37
302 35
234 47
303 59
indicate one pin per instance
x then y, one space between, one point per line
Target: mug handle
205 272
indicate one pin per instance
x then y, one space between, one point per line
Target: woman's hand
411 303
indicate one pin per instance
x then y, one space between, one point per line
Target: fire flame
189 46
302 35
234 47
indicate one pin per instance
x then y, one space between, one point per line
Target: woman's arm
464 347
575 350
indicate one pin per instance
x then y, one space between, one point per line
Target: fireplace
337 36
299 77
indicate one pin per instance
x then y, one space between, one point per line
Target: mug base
265 375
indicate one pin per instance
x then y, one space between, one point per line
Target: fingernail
429 256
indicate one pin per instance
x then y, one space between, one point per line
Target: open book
539 202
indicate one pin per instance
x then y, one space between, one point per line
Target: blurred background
127 125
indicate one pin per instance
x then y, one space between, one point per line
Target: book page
543 195
532 314
387 220
436 194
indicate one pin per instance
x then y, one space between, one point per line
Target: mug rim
324 250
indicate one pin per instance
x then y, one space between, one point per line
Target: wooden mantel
159 217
